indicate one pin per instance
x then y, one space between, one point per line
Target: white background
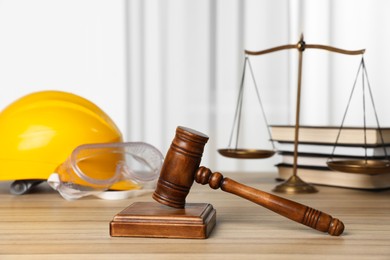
70 45
155 64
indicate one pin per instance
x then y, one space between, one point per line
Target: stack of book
317 145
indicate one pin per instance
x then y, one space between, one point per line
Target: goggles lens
117 166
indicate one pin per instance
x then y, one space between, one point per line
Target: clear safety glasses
128 168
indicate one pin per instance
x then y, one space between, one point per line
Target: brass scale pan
246 153
240 153
360 166
363 166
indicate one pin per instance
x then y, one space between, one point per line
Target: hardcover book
325 176
345 150
328 134
315 159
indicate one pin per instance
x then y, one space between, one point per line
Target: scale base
295 185
151 219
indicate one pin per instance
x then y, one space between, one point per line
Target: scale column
295 184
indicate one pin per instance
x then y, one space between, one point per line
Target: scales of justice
295 184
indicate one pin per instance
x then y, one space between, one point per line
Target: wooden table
43 225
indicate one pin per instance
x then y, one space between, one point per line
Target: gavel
181 168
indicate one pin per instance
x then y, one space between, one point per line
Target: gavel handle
295 211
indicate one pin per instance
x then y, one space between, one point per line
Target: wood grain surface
43 225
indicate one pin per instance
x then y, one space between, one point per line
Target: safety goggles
129 169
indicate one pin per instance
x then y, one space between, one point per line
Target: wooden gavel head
180 165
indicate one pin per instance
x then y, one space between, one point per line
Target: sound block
151 219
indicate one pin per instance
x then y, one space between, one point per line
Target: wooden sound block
151 219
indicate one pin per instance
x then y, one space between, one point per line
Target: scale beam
301 45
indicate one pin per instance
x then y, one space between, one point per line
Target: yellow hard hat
39 131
